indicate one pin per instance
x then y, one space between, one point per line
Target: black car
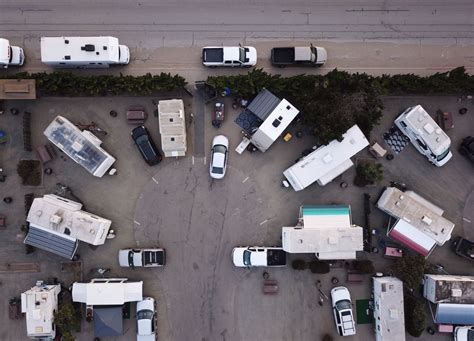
146 146
463 247
467 148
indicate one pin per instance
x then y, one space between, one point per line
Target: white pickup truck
132 258
10 55
250 256
231 56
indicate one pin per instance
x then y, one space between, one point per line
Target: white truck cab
425 135
10 55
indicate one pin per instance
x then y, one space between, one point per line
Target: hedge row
68 84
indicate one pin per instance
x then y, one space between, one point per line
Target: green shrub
364 266
410 270
299 264
415 316
29 172
318 267
368 173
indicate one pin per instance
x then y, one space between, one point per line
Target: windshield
242 55
130 258
443 155
10 52
247 257
218 148
470 335
343 304
145 315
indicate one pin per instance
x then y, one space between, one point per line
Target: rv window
105 48
421 144
92 63
67 57
403 124
62 63
66 41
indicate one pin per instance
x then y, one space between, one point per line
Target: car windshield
142 139
247 257
343 304
470 335
443 155
145 315
130 258
242 55
218 148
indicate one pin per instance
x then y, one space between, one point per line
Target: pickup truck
308 55
251 256
131 258
463 247
232 56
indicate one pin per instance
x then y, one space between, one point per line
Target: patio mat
396 140
364 314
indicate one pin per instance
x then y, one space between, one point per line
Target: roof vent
67 57
88 48
66 41
397 203
456 292
438 131
276 123
327 158
55 219
393 313
427 220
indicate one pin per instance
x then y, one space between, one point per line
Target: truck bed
276 257
213 55
283 55
464 248
153 257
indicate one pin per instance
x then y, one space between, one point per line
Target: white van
10 55
427 137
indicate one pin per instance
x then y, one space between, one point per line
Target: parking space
177 206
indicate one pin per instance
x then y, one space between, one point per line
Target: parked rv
83 52
10 55
425 135
251 256
299 56
231 56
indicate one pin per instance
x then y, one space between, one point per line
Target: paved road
372 36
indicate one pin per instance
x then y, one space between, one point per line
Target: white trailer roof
65 217
107 291
417 212
325 160
81 146
389 312
172 127
421 122
409 235
38 304
4 52
274 125
73 49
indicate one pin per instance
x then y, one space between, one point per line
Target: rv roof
418 212
389 310
55 49
113 291
65 216
420 121
446 285
172 127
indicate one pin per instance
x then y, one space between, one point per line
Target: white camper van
83 52
10 55
427 137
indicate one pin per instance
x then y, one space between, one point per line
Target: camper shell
327 162
425 135
83 52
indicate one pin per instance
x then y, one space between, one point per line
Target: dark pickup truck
308 55
463 247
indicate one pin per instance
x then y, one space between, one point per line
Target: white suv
146 319
342 308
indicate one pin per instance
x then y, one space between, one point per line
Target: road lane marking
156 181
467 220
245 179
136 222
263 222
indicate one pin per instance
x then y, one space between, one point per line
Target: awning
50 241
453 313
411 237
110 292
108 321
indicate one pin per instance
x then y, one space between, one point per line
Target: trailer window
421 144
403 124
443 155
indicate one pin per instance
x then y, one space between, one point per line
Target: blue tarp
454 313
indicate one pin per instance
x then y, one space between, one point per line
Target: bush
29 172
327 337
62 83
364 266
318 267
415 316
67 321
368 173
299 264
410 270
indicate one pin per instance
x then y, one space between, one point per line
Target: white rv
425 135
10 55
83 52
327 162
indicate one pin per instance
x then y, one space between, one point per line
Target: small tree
368 173
318 267
29 172
66 319
415 316
364 266
410 270
299 264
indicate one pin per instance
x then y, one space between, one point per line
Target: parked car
463 248
465 333
467 148
300 56
131 258
219 151
342 308
146 319
250 256
231 56
146 146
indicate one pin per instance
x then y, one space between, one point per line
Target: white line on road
204 160
156 181
467 220
193 160
263 222
245 179
136 222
